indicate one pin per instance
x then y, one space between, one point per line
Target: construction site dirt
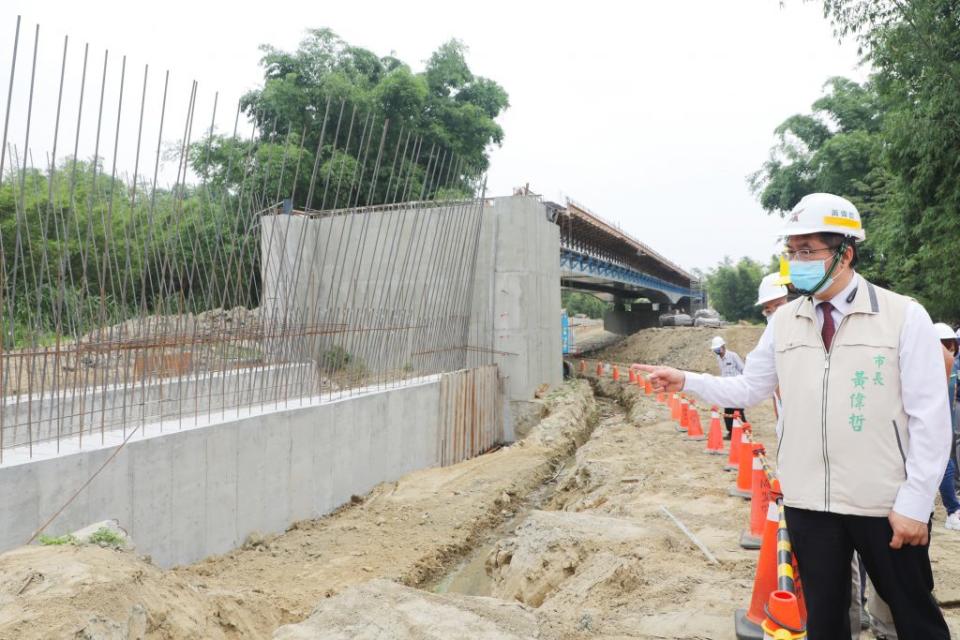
562 535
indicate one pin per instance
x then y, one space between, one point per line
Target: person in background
730 365
772 295
878 613
948 488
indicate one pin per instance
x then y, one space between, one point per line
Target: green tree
80 250
578 302
349 96
837 148
732 289
890 145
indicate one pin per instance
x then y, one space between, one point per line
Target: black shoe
726 436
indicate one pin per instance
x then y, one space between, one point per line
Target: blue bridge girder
579 263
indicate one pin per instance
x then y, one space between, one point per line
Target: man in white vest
866 427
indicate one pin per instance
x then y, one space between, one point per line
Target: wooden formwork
471 413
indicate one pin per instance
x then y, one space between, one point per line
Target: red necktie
828 329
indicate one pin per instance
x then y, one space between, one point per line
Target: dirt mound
682 347
550 547
91 593
383 609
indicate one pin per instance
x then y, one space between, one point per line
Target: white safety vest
844 429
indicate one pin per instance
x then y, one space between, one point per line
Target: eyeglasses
803 254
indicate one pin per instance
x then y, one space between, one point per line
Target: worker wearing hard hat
948 487
866 427
879 616
772 295
730 365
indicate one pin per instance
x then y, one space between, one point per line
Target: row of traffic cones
776 609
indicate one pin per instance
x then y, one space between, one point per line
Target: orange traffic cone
661 398
759 501
599 369
694 428
647 387
616 373
684 420
747 621
784 620
583 366
675 406
743 487
633 376
736 436
715 439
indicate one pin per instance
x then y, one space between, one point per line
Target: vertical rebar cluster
157 265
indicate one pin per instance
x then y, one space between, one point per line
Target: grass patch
56 541
106 538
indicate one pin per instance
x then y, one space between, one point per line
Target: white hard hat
770 289
824 213
717 342
944 332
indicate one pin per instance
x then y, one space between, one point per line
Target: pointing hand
663 378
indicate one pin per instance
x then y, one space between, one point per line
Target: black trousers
729 421
824 544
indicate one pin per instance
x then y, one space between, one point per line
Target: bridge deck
597 256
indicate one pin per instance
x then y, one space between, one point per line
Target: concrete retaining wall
516 306
189 494
514 311
38 418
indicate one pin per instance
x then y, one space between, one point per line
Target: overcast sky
651 114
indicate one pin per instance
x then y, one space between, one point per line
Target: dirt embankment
409 531
682 347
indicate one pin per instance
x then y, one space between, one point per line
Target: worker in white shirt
866 428
772 295
730 365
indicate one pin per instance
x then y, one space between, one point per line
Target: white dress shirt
921 372
730 364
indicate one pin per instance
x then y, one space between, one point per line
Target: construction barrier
785 614
747 621
777 610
